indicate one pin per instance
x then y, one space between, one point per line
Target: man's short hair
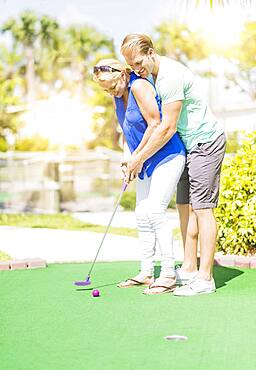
136 40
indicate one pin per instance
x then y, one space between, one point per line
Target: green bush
236 213
233 141
128 201
4 256
35 143
3 145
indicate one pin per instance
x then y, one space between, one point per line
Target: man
184 110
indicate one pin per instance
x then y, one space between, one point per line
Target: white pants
153 194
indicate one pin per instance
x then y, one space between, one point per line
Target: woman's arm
144 94
161 135
126 151
126 157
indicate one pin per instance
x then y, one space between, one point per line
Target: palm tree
38 38
10 82
244 57
177 41
48 31
51 45
214 3
25 32
82 45
10 61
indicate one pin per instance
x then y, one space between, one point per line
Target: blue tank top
134 125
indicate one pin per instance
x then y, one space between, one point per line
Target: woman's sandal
161 285
135 282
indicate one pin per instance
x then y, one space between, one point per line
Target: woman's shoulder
141 85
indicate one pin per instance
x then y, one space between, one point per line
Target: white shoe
196 286
183 277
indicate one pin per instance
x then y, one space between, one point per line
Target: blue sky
119 17
114 17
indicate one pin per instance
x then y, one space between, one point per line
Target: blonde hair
137 40
108 76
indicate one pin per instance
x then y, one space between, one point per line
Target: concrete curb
229 260
29 263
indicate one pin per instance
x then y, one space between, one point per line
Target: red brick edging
236 261
29 263
219 260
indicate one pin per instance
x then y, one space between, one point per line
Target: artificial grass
48 323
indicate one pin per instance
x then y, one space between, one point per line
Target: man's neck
156 67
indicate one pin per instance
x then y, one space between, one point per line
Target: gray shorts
200 181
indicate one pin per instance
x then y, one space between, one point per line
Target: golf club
87 280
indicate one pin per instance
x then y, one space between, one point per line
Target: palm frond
214 3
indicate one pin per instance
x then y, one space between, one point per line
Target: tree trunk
30 75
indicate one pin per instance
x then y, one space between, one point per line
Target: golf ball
95 293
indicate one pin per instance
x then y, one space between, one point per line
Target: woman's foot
137 280
162 285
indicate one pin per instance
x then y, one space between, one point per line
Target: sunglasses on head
97 69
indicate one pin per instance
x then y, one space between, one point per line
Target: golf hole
176 337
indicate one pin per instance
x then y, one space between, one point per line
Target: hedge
236 212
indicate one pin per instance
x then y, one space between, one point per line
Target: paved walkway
75 246
121 219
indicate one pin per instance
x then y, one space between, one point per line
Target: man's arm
160 136
144 94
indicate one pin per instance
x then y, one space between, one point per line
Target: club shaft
104 236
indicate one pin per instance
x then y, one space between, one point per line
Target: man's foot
162 285
183 277
196 286
137 280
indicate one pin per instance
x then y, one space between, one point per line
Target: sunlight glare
60 119
221 26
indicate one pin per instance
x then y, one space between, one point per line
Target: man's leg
189 231
208 234
190 253
183 210
204 164
188 226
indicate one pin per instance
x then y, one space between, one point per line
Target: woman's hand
134 167
123 166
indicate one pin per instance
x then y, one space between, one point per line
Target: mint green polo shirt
196 123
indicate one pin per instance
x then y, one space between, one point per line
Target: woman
138 110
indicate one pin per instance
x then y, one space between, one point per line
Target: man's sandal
135 282
161 285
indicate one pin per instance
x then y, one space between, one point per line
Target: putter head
83 282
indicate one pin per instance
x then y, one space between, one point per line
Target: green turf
49 324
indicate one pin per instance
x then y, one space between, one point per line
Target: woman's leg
162 187
147 237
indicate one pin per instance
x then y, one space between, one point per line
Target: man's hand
134 167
